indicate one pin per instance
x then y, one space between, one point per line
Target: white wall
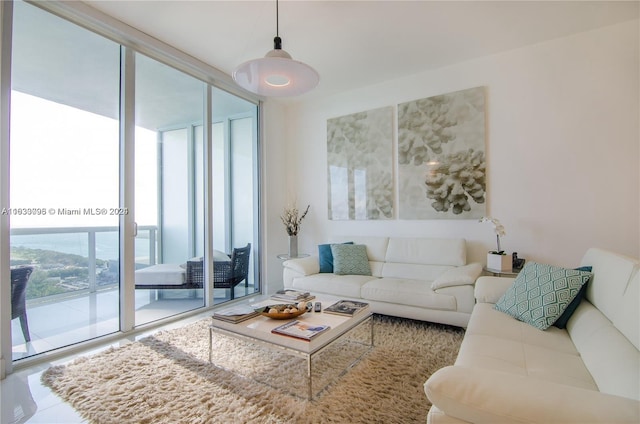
562 150
276 189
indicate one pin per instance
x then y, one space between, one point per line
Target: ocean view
77 244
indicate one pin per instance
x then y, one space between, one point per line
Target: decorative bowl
280 314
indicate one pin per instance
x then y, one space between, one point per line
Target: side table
498 273
285 256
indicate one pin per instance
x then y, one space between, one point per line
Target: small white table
285 256
499 273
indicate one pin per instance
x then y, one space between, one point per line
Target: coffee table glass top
260 327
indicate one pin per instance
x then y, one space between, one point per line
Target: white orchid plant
292 219
498 228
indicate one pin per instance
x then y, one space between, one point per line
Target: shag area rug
167 378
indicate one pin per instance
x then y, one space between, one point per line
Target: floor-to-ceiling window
64 151
68 166
234 159
169 109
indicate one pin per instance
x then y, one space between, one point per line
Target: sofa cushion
338 285
627 320
541 293
482 396
325 257
407 292
486 321
376 246
611 287
428 251
611 274
414 271
612 360
498 342
350 259
490 289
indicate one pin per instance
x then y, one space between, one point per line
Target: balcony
74 292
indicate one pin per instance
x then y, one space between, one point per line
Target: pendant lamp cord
277 41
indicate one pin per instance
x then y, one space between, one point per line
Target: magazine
235 314
292 295
300 330
346 307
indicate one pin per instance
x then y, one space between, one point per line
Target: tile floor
24 399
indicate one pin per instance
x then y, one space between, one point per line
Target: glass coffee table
320 361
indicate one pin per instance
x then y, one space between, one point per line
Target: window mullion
127 189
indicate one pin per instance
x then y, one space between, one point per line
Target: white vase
293 246
499 262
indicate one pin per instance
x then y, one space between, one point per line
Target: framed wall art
441 156
360 165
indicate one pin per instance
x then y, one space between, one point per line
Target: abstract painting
360 165
441 156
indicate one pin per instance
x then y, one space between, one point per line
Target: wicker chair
226 274
19 279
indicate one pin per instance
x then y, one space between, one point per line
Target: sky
66 158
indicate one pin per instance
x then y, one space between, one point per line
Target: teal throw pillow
350 259
541 293
564 318
325 257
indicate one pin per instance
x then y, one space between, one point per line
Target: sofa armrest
303 266
299 267
486 396
458 276
491 289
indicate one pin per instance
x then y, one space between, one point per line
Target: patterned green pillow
350 259
541 293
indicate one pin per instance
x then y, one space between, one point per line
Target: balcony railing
90 252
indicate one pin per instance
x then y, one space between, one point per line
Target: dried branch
292 220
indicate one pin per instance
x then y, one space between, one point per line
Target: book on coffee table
300 330
346 307
236 313
289 295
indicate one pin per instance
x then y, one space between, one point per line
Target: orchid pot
499 262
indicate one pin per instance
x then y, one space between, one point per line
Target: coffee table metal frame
258 330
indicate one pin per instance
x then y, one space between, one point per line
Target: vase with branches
292 219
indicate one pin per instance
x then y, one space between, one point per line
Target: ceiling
359 43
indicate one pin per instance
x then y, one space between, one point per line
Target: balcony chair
226 274
19 279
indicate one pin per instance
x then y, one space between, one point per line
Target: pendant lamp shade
276 74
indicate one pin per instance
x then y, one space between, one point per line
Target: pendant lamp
276 74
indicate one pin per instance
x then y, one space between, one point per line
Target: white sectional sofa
508 371
419 278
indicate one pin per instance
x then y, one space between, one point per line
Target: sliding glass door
169 191
64 161
235 202
106 142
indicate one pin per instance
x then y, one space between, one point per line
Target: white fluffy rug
167 378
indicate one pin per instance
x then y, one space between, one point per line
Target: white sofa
419 278
509 371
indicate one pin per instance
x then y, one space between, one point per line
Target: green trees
55 272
